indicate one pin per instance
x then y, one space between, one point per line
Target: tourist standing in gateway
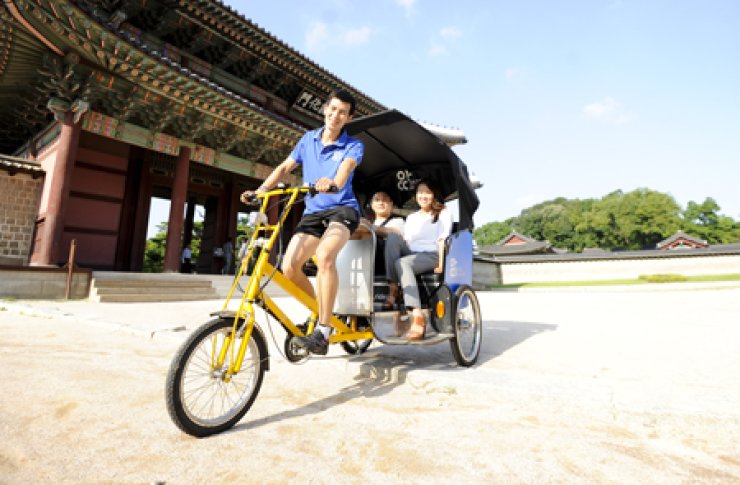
328 156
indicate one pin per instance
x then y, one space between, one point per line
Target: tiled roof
14 165
288 51
713 250
165 60
514 234
681 235
451 136
531 247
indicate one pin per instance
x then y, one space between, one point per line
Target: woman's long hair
437 202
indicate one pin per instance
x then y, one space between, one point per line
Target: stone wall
19 200
35 283
487 273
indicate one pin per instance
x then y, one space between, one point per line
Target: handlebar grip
312 189
251 199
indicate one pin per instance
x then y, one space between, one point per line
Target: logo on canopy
405 181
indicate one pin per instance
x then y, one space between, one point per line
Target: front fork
228 350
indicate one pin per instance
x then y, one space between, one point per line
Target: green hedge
663 278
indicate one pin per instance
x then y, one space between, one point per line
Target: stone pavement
504 330
572 386
144 319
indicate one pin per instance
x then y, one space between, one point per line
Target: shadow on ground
498 337
385 367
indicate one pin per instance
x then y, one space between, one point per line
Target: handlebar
312 189
253 199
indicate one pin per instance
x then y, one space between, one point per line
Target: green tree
548 221
557 221
154 250
243 229
704 221
635 220
155 247
491 233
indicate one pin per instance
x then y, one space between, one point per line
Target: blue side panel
459 262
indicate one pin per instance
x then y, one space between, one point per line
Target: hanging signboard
310 104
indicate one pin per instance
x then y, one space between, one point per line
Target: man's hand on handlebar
325 184
250 196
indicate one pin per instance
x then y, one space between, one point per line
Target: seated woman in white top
420 250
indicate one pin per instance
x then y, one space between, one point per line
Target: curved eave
239 29
450 136
66 26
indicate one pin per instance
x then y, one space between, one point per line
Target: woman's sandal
418 327
400 325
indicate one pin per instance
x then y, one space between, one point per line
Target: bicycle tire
199 401
357 347
468 327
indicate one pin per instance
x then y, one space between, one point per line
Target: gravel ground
591 386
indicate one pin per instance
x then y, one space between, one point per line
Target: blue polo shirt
320 161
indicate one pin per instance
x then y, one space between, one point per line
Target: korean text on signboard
310 102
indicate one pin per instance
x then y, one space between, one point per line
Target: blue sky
573 98
557 98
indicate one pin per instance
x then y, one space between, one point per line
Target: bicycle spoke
205 393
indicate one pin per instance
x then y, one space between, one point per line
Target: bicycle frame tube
263 240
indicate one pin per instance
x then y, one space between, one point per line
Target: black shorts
316 224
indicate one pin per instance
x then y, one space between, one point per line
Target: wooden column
187 233
233 205
143 206
127 225
173 248
50 251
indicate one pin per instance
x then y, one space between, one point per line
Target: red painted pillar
173 247
187 233
143 205
50 251
233 209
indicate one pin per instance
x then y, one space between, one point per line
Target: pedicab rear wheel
357 347
467 327
203 400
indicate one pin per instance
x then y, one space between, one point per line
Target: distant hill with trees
618 221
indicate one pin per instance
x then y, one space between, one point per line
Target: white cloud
407 5
437 50
356 37
317 34
447 35
450 33
320 34
607 110
512 72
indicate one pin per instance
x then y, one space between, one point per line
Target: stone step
138 290
152 284
147 287
155 297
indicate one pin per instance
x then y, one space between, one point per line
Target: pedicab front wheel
202 398
467 327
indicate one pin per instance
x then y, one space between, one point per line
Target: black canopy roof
399 152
